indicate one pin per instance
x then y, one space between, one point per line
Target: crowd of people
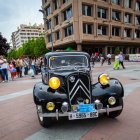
119 58
19 67
31 66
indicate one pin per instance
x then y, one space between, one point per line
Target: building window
57 35
127 18
127 3
86 10
67 13
56 20
116 2
68 30
49 24
127 32
137 6
116 15
102 30
49 38
48 10
102 13
64 1
115 31
132 51
137 20
137 33
22 33
87 28
110 50
55 2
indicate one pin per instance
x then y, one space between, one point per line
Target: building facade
93 25
26 32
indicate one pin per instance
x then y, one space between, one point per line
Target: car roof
68 53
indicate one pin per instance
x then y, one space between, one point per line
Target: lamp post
46 21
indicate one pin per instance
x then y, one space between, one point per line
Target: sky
16 12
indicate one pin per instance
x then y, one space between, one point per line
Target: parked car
66 90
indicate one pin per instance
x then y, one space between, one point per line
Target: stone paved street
18 119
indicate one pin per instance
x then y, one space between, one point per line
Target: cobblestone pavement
18 119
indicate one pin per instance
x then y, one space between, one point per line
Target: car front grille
79 88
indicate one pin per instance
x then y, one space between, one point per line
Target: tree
12 54
117 50
32 48
4 46
40 47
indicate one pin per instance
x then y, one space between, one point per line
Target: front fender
42 94
114 88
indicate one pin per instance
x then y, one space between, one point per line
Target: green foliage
117 51
40 48
4 46
32 48
12 54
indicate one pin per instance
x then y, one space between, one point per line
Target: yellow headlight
111 100
54 83
50 106
103 79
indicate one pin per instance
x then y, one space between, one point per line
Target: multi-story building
93 25
26 32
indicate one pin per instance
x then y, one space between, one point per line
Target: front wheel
44 121
114 114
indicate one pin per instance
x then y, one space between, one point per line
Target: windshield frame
81 55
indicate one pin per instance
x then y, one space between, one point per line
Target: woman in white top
4 67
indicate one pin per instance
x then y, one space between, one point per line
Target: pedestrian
4 69
26 66
31 71
121 59
12 69
116 63
1 73
102 59
93 59
41 63
21 66
109 59
17 67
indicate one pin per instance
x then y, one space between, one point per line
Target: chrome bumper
66 114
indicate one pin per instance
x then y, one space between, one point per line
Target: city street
18 118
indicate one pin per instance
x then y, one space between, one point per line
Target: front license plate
82 115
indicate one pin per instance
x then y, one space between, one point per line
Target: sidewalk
18 119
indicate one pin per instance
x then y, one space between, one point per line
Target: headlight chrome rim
64 107
54 83
111 100
104 79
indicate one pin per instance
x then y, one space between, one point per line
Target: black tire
114 114
44 121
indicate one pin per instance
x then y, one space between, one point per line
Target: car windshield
68 61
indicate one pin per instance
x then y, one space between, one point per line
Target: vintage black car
67 90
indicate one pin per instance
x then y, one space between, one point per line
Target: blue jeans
4 74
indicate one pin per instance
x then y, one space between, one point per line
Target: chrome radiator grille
78 88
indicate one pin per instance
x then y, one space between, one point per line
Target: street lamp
45 18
